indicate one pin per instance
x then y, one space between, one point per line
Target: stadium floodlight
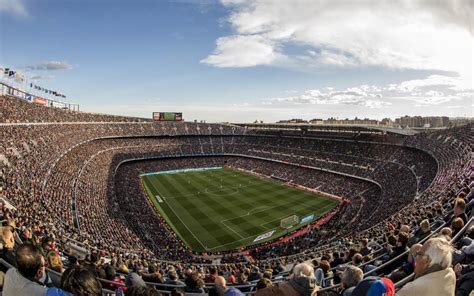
289 221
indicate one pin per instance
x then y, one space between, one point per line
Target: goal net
288 222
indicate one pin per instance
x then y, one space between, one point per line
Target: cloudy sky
237 60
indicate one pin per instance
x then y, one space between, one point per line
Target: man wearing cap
433 272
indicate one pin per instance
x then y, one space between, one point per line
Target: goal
289 221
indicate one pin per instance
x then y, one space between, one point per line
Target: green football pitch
219 209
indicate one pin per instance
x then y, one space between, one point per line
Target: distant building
347 121
423 122
295 120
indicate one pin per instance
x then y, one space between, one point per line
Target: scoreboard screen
167 116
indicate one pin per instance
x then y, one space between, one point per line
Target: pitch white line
182 222
231 229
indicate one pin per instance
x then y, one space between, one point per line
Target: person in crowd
456 225
374 286
153 275
30 268
212 275
465 279
459 211
8 252
80 281
232 278
423 231
255 274
194 283
351 276
433 272
323 274
447 232
92 263
54 261
408 267
300 283
357 259
365 249
220 286
111 275
263 283
133 279
142 291
336 259
56 265
173 278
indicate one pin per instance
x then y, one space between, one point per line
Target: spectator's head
54 261
79 281
436 251
173 275
27 233
413 251
425 225
109 272
459 206
7 238
456 225
303 270
220 285
264 283
365 242
403 238
267 274
141 291
357 259
243 278
405 228
447 232
94 258
194 281
351 277
30 262
325 266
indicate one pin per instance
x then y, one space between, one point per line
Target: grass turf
224 209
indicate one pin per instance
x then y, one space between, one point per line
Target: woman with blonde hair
55 263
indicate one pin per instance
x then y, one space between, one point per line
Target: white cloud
15 7
42 77
243 51
422 34
454 83
52 65
351 96
431 91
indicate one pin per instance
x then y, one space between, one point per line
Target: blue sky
236 60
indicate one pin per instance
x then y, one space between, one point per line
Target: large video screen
167 116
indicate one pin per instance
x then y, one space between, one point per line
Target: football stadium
205 148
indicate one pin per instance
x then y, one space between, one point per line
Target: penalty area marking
182 222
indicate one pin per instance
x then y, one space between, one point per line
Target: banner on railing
39 100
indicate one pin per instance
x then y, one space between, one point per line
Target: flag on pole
19 77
